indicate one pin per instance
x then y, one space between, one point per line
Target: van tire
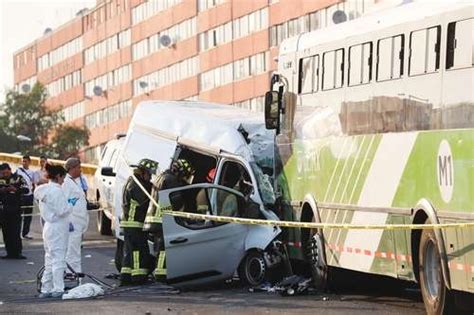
437 298
119 255
104 224
253 268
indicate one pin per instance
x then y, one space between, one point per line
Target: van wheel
253 268
119 255
104 224
436 297
316 258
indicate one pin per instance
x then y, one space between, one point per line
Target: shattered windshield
264 183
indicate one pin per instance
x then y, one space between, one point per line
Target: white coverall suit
79 219
55 211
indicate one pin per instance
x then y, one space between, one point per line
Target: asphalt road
351 293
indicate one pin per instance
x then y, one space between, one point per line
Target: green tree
26 114
68 140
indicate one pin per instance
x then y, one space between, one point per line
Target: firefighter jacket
165 180
135 203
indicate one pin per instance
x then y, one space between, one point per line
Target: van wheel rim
256 269
432 270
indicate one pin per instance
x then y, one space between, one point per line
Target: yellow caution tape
313 225
306 225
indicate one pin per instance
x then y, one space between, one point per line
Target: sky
23 21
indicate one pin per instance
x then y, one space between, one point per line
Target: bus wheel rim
432 268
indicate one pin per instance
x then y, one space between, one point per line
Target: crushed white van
235 143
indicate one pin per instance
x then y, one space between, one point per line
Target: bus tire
316 258
119 255
253 268
437 298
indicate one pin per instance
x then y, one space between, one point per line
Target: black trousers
27 201
137 261
11 229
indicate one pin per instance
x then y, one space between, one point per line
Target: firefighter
137 261
12 187
179 174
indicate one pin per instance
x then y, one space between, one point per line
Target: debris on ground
86 290
289 286
114 276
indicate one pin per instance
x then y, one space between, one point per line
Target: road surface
351 293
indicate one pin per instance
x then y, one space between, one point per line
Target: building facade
101 64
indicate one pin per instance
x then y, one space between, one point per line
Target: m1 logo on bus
445 171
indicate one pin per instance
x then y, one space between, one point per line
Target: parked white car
104 178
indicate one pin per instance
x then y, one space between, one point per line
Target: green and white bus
375 125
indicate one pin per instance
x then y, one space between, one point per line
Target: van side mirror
107 171
272 110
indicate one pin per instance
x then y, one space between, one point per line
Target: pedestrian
137 262
41 175
27 199
55 210
179 174
12 187
80 216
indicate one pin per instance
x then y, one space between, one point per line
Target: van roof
211 124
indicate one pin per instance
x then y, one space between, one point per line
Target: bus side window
424 51
305 76
460 44
333 69
360 64
390 56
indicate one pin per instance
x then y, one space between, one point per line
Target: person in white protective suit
55 210
79 217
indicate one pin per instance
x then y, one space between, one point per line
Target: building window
178 32
207 4
112 78
150 8
59 54
107 46
63 84
109 115
176 72
73 112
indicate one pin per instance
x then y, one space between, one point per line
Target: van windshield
264 184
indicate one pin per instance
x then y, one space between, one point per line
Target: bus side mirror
272 110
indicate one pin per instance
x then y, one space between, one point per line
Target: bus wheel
317 260
435 294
